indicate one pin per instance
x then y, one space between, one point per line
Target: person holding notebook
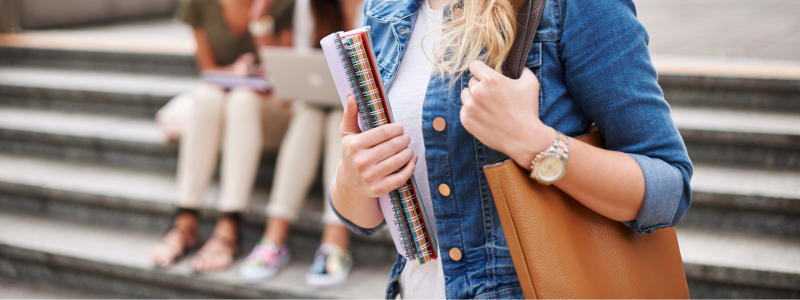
455 112
240 120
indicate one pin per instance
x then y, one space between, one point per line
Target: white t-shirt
406 96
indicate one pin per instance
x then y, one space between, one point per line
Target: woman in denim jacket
588 65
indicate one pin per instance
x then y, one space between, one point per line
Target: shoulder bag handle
527 22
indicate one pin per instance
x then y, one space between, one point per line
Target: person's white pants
246 122
298 161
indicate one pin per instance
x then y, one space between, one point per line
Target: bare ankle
228 225
277 230
186 219
337 235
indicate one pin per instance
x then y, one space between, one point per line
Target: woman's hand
243 64
368 167
503 113
369 159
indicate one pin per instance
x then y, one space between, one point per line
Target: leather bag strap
527 22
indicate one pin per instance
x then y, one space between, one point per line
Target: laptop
300 74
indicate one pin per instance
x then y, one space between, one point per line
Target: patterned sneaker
330 268
265 260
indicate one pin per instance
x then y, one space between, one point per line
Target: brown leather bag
562 249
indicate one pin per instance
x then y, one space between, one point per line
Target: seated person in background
245 121
298 161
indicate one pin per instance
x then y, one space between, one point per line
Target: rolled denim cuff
663 186
353 227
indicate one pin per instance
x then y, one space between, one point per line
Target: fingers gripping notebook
352 63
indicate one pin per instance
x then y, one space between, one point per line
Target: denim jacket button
455 254
444 190
439 124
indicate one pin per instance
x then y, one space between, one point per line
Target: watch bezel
557 151
545 156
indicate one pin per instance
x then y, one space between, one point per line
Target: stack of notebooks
352 63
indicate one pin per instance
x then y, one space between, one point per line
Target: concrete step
740 138
18 289
745 200
115 93
112 140
741 92
731 265
145 200
150 62
115 261
112 260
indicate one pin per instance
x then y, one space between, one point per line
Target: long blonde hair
478 30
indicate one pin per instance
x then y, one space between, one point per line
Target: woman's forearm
608 182
358 209
498 110
204 54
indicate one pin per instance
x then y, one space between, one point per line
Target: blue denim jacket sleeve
353 227
610 75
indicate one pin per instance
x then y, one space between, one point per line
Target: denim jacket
591 59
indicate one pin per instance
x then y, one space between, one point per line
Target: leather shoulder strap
527 22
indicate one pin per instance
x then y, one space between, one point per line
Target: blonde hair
477 30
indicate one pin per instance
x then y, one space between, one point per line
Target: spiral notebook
352 63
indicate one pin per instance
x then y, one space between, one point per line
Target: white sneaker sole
249 275
319 281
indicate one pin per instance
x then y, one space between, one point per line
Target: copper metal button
439 123
444 190
455 254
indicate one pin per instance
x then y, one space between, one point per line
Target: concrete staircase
743 135
86 183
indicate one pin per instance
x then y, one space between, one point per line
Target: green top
227 47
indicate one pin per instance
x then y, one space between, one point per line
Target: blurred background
87 178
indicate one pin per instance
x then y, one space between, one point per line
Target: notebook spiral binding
409 218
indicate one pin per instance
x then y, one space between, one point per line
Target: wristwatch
551 164
261 27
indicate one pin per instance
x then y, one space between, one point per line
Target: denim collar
394 11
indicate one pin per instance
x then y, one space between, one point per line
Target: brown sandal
167 253
219 251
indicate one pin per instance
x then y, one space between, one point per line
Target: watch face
550 168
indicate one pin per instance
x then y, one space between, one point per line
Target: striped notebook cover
352 63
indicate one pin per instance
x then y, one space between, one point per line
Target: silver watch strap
556 141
